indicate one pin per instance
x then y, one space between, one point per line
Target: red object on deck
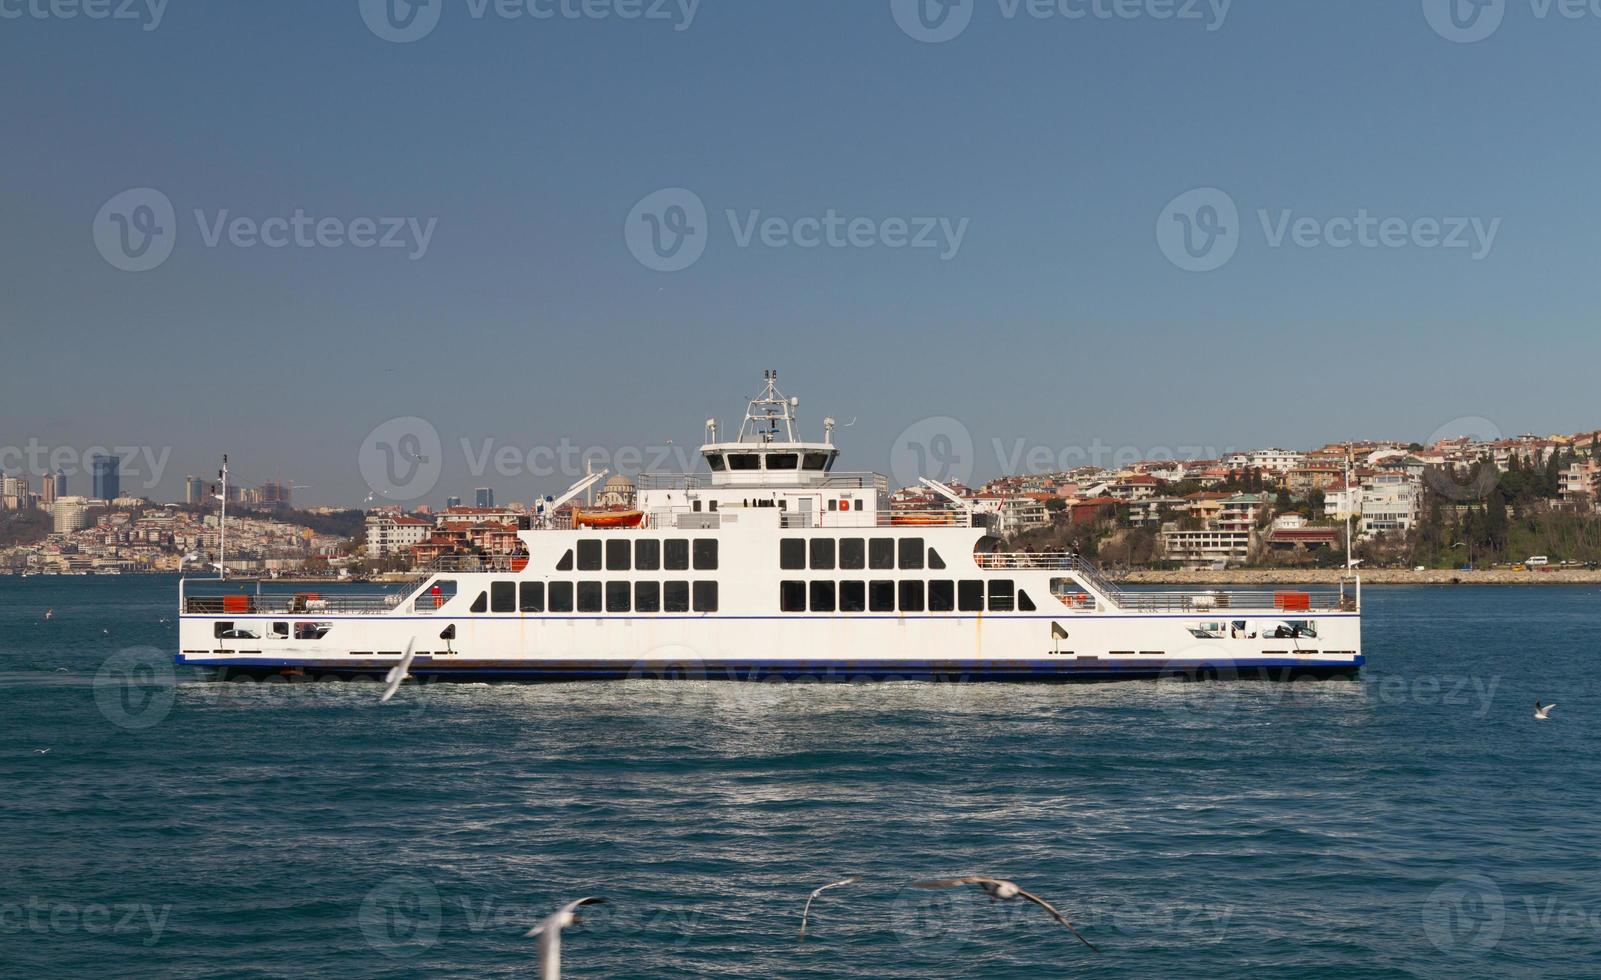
235 603
1292 601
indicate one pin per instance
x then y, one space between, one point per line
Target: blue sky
1055 143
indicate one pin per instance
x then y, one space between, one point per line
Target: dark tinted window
533 597
970 596
822 554
706 554
792 596
783 461
675 597
934 560
1002 595
852 553
822 597
618 595
675 554
744 461
647 554
881 553
1024 603
705 596
647 597
503 597
941 596
715 461
561 597
814 461
853 597
617 555
588 597
792 554
589 555
881 596
911 550
566 563
481 604
912 595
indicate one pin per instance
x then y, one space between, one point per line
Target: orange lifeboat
607 518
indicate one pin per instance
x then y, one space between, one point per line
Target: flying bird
998 888
397 673
549 933
50 613
853 879
41 751
1543 711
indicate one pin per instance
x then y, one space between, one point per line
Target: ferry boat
771 563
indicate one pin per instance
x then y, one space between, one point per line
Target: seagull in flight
397 673
998 888
549 933
1543 711
853 879
41 751
50 613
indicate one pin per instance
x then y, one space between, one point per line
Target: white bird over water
998 888
853 879
397 673
549 933
1543 711
50 613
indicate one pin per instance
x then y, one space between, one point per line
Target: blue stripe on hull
818 671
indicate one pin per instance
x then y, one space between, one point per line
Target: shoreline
1374 576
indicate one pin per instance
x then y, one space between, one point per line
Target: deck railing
290 605
1058 561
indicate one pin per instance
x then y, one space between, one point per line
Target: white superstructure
772 562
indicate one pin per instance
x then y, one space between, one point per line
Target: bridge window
911 553
744 461
912 595
792 597
881 553
589 555
853 596
792 554
822 596
705 596
617 596
561 597
532 599
589 597
715 461
814 461
783 461
675 597
970 595
617 555
941 596
647 597
822 554
881 596
481 604
1003 595
852 553
503 597
675 554
647 554
706 554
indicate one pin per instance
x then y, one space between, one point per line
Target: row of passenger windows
968 595
644 554
594 597
825 554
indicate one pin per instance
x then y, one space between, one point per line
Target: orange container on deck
235 603
1292 601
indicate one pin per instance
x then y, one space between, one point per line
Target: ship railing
473 563
805 480
908 520
1057 561
303 604
1284 603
